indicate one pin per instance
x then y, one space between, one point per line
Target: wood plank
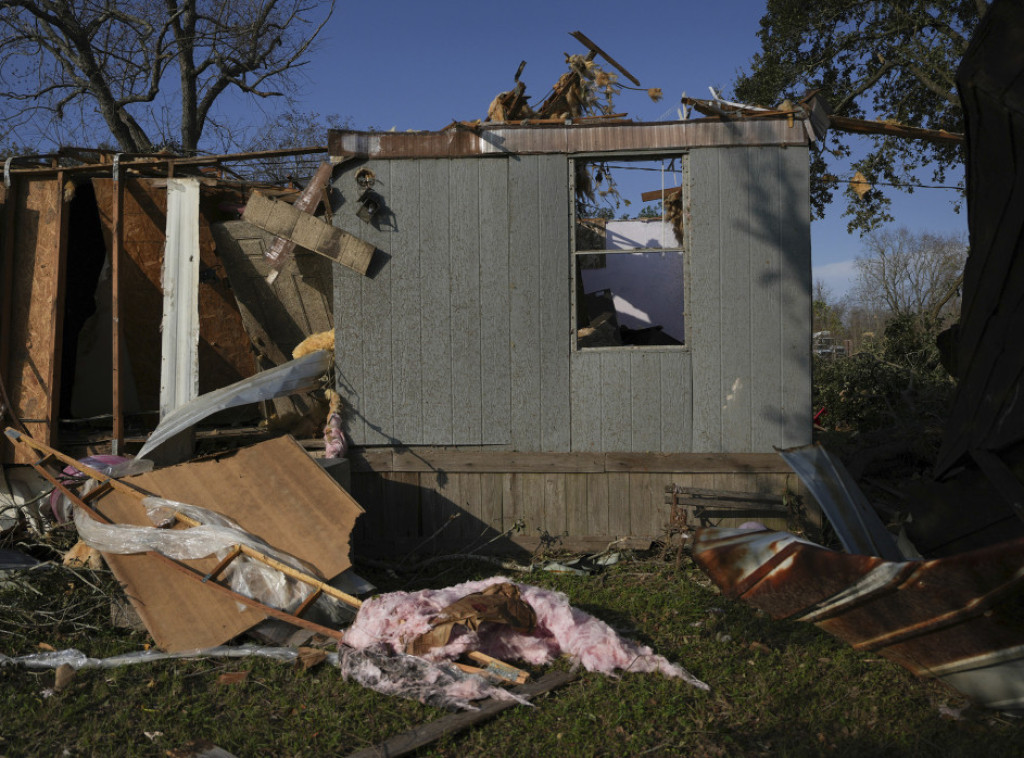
645 398
379 310
646 500
472 526
796 294
555 516
436 305
554 306
36 269
496 371
531 503
428 459
597 504
736 285
491 502
410 741
576 507
525 245
466 306
676 402
616 403
618 505
408 291
512 502
286 221
766 309
585 379
695 462
704 331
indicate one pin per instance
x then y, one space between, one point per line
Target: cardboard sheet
275 491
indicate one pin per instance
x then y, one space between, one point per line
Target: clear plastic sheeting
300 375
216 535
398 617
114 466
79 660
441 686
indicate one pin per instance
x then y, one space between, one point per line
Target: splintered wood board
275 491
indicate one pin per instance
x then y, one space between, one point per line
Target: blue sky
420 65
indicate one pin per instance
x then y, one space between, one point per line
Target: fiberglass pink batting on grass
398 617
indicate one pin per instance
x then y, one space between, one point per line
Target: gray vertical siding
463 334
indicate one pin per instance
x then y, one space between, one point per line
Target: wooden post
6 285
117 434
53 381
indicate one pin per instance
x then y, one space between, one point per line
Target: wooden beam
307 231
659 194
862 126
587 43
470 460
414 739
7 280
57 311
117 374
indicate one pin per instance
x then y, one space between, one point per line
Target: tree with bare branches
908 274
147 72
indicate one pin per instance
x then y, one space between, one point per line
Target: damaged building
486 369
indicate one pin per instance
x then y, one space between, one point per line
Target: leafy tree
828 313
887 59
149 72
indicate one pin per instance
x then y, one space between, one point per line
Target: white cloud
838 277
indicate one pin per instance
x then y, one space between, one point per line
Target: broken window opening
629 250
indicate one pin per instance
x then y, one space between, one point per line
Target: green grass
777 688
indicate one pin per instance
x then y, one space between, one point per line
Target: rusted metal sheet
856 524
960 619
987 412
508 139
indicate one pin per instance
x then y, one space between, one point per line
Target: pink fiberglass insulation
397 617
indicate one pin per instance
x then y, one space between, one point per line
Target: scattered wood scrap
308 231
414 739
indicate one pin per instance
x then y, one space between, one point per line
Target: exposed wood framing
117 335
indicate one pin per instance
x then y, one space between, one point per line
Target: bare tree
146 69
907 274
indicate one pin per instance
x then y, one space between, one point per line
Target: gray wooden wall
462 335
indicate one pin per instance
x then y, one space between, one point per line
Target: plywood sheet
32 373
274 490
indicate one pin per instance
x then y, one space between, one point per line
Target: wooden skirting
449 500
475 460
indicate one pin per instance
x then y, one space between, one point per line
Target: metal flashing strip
518 139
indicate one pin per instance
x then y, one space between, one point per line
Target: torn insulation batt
398 617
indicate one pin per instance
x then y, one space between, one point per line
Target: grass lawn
777 688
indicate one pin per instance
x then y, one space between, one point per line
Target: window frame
683 250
